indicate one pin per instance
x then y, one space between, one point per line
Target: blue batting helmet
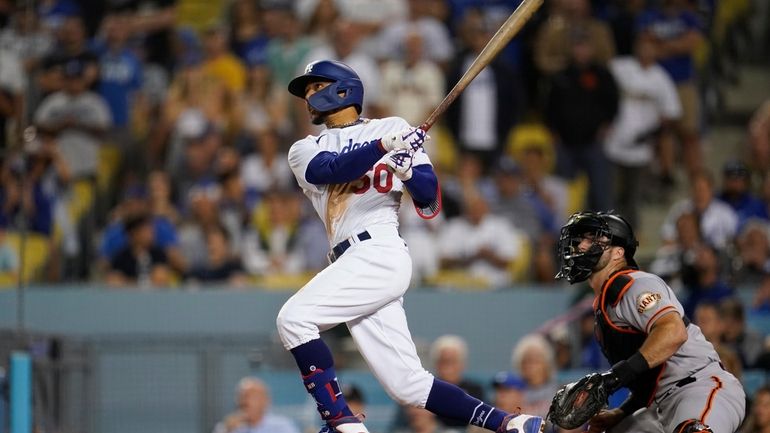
346 88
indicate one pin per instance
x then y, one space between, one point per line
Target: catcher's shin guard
521 423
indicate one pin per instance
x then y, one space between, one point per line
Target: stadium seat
34 258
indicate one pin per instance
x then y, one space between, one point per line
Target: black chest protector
619 343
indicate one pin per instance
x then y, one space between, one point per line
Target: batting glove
409 139
399 163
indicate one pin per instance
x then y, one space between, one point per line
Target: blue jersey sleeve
332 168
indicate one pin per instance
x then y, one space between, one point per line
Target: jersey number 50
381 177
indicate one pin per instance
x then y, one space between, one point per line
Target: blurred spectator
140 262
235 206
672 259
581 105
220 62
136 204
469 178
25 37
247 37
414 84
751 261
536 159
203 215
703 279
253 414
678 32
708 319
717 221
533 360
120 74
484 113
648 104
586 351
28 189
199 145
480 242
12 88
509 391
160 196
555 39
71 47
736 191
265 106
529 214
265 168
761 301
434 34
449 356
273 245
288 47
78 118
220 266
746 342
758 420
319 17
344 46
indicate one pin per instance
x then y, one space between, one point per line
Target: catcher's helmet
578 265
346 88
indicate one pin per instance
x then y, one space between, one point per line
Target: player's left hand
408 139
399 163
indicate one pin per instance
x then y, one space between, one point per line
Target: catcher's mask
576 265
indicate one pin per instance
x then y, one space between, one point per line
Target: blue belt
343 246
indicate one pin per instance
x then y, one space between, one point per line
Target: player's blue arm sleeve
424 189
330 168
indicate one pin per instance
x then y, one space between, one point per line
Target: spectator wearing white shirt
344 47
78 118
718 221
414 84
434 33
648 103
482 243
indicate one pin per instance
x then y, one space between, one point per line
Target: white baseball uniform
364 287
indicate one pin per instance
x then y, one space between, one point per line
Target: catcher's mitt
575 403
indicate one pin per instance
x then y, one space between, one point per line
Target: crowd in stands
145 141
144 145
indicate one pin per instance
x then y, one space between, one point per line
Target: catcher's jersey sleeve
647 299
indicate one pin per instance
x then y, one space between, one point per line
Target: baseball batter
354 173
674 373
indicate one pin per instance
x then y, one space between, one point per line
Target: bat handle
426 126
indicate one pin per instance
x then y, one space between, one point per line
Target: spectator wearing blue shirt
121 70
678 32
736 191
165 237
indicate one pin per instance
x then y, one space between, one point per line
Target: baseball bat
499 40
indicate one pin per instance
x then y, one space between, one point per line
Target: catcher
676 379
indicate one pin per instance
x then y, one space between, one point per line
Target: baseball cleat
346 424
521 423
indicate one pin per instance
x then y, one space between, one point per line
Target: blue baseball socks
451 401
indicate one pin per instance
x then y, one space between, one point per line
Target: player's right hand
605 420
408 139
